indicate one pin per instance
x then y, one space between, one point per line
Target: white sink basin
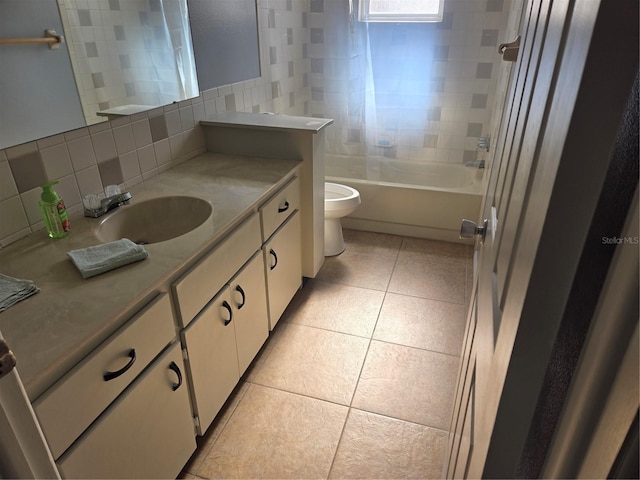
153 221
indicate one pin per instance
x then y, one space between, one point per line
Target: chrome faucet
106 204
484 143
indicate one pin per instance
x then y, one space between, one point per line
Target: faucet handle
111 190
484 142
91 202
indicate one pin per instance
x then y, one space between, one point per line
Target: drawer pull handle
275 258
285 208
174 366
244 298
111 375
226 305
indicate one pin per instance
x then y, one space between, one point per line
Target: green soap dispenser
54 212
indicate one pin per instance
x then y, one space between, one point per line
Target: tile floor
357 379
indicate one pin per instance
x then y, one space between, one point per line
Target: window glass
401 10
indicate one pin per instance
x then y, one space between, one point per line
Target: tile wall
129 150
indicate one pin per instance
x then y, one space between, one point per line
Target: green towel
92 261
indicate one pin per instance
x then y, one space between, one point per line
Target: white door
533 238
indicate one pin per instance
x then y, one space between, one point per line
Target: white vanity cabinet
212 359
75 401
222 338
119 413
282 252
146 433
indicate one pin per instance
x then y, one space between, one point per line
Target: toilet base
333 239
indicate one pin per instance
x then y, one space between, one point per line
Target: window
400 10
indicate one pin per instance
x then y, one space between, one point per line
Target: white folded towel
12 290
92 261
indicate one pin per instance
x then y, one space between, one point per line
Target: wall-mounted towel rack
50 37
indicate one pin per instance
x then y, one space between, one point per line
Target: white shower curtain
377 87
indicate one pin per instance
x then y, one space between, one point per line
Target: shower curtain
415 92
381 110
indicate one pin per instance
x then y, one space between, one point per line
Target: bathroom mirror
225 41
126 55
108 45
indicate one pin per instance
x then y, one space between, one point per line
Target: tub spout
475 164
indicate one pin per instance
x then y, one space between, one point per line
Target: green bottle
54 212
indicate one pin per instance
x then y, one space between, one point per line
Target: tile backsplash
131 149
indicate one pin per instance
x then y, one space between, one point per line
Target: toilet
339 201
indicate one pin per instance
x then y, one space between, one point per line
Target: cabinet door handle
285 208
174 366
226 305
111 375
275 258
244 298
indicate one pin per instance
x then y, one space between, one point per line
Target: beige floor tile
314 362
421 323
407 383
371 243
373 446
422 246
340 308
275 434
206 441
367 261
358 270
435 277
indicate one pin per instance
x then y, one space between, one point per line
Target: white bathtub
407 198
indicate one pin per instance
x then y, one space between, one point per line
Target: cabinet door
282 259
249 300
74 402
212 363
146 433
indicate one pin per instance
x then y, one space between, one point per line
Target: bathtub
407 198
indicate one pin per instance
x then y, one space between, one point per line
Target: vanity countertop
53 330
266 121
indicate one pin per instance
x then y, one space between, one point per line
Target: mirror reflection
118 56
129 56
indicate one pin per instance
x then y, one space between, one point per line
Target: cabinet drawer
196 287
69 407
147 432
277 209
